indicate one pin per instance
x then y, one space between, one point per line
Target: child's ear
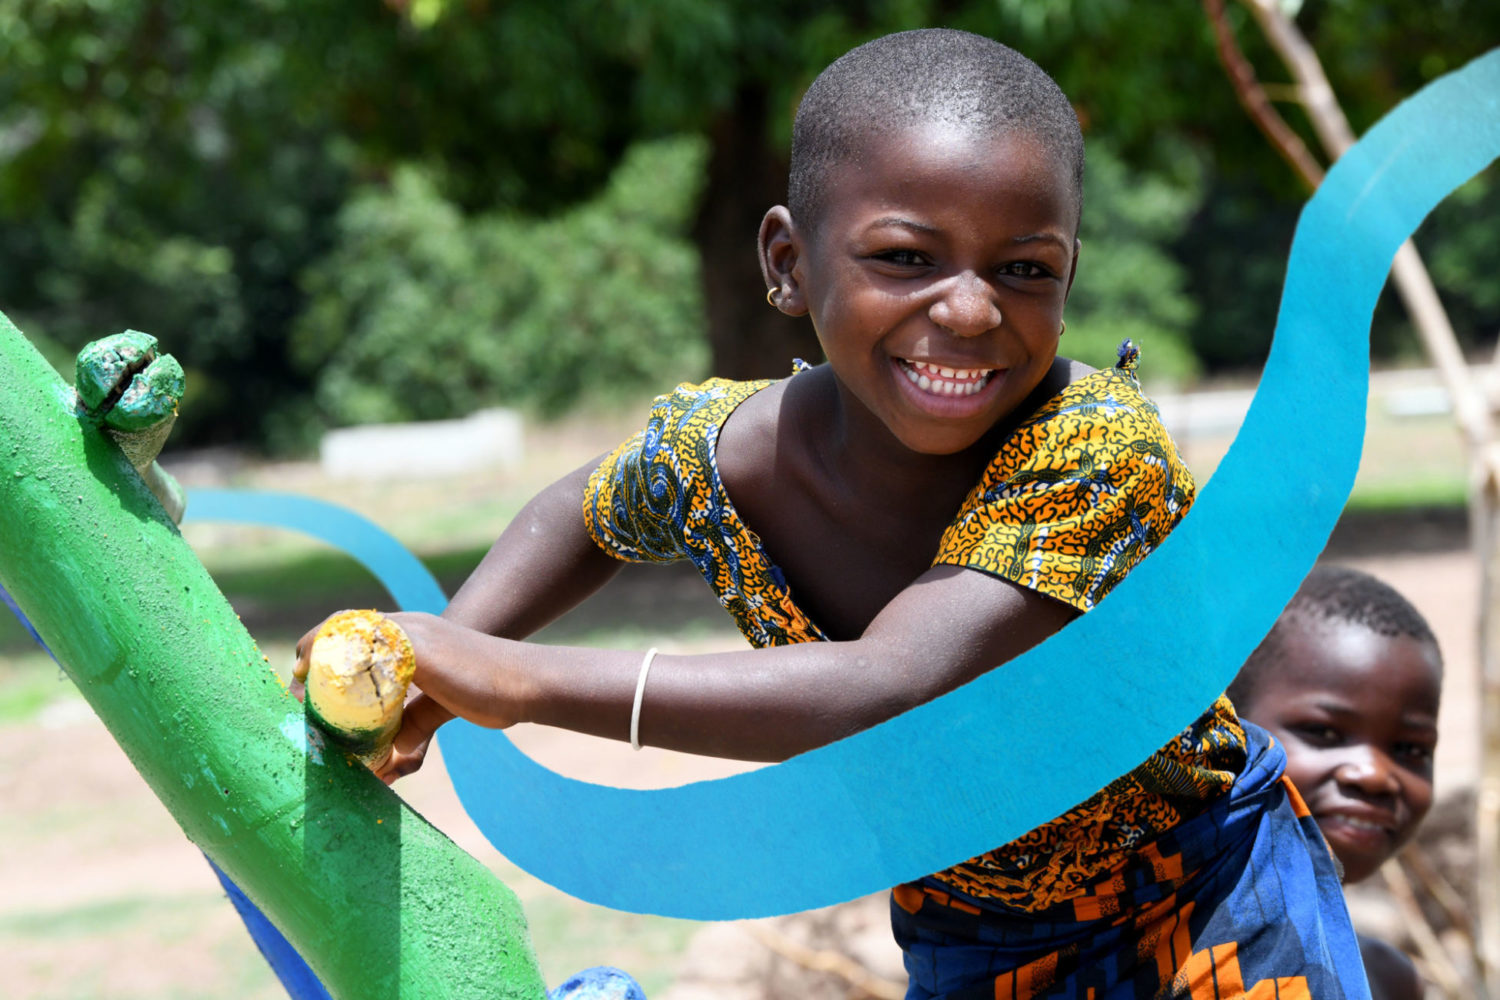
1072 268
780 247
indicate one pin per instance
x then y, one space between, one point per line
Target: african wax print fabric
1240 902
1077 495
1082 491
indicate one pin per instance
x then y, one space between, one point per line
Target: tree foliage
421 312
1128 285
158 172
276 188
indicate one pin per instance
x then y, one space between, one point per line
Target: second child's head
931 230
1348 681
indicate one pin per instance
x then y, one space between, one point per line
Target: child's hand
356 670
421 715
420 719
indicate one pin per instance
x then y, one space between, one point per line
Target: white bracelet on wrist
640 691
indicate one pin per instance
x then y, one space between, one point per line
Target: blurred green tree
182 166
159 170
1129 285
529 103
422 312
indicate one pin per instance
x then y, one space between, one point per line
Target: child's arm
543 564
769 704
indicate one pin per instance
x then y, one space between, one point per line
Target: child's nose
1370 771
966 306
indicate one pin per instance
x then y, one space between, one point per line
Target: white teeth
1360 824
946 381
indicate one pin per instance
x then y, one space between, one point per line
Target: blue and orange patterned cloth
1131 893
1240 902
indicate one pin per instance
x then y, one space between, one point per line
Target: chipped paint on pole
380 903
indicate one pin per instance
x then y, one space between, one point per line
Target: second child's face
936 279
1357 714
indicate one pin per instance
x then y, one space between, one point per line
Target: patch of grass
173 948
12 634
317 571
1397 495
29 682
82 921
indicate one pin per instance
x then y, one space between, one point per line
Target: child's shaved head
1333 594
913 79
1349 683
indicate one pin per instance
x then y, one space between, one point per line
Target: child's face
1357 714
936 279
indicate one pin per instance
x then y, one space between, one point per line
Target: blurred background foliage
339 211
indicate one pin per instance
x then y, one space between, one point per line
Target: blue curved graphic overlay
989 761
409 583
982 765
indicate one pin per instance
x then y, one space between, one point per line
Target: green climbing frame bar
380 903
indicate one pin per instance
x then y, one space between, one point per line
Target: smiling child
939 496
1348 680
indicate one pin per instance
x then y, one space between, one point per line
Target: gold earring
1064 328
770 295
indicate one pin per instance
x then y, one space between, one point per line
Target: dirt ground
103 897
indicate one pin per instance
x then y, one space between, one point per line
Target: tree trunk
746 176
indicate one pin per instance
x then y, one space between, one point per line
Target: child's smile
1357 714
945 381
936 275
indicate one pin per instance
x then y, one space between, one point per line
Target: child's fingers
419 720
398 765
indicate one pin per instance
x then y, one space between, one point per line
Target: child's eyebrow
1061 241
926 230
1426 722
900 223
1420 719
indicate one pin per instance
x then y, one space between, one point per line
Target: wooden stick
820 960
1472 410
1440 889
1440 966
1253 98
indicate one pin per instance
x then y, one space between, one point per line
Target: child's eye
1417 753
1024 269
901 257
1319 735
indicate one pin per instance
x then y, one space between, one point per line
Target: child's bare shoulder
1392 974
760 434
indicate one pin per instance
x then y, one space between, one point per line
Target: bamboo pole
380 903
1470 406
1472 411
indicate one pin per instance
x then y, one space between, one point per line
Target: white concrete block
486 439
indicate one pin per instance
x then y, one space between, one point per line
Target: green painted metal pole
380 903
